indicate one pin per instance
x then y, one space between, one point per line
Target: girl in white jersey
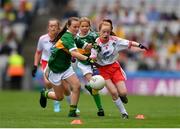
43 53
108 66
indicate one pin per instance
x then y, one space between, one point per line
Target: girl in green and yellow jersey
60 68
85 40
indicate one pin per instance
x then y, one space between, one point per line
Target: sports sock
73 108
46 93
57 106
97 99
120 106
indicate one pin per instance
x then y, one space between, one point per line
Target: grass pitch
22 110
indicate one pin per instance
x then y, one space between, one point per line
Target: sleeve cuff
72 49
39 52
84 46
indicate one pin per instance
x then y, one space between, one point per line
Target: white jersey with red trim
110 50
44 46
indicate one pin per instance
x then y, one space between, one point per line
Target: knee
76 87
67 93
60 98
48 84
114 95
67 90
123 93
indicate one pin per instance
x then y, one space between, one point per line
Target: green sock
73 108
97 100
96 96
46 93
89 88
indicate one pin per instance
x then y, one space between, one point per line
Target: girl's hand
89 46
142 47
91 60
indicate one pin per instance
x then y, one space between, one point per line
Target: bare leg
58 93
122 90
115 96
121 87
75 85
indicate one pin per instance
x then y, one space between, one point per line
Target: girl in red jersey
109 68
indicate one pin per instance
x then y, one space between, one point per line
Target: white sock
120 106
68 99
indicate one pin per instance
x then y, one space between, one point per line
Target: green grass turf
21 109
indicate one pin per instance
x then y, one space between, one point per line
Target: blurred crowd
16 20
14 24
156 26
154 23
16 17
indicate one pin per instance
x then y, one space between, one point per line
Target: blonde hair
85 19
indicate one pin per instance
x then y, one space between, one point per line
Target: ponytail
68 23
59 35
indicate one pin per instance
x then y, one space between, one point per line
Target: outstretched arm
139 45
78 55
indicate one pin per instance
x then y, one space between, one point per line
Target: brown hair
68 23
54 19
108 21
103 23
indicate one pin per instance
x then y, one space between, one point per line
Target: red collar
102 41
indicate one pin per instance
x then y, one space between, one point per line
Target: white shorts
85 69
55 78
